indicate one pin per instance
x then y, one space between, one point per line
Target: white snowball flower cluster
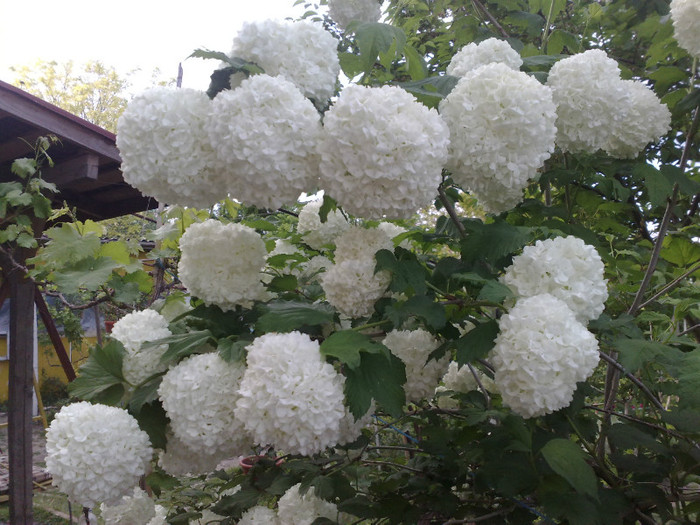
315 233
132 331
490 154
95 453
645 120
473 56
259 515
564 267
289 396
293 508
459 378
540 354
413 348
351 285
597 110
302 52
164 149
161 516
314 268
394 230
198 395
345 11
221 263
685 15
137 509
382 152
351 429
265 134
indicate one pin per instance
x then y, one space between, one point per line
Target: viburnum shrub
490 313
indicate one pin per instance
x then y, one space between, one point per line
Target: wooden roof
87 162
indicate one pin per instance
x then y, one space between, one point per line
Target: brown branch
670 286
389 464
491 18
451 211
481 386
632 378
684 158
85 306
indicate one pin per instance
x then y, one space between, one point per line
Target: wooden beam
16 147
75 169
19 431
55 337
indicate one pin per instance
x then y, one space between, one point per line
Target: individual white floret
345 11
382 152
318 234
199 394
646 120
96 453
165 150
541 352
221 263
259 515
137 509
502 130
473 56
132 331
685 15
297 509
564 267
265 135
289 397
303 52
353 287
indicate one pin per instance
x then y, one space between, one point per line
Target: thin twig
451 212
632 378
491 18
394 447
684 158
85 306
670 286
481 386
688 330
389 464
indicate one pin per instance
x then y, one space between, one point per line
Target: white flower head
362 243
646 120
198 395
473 56
345 11
541 352
289 396
181 460
564 267
161 516
259 515
490 154
221 263
164 148
132 331
589 96
265 135
685 15
137 509
351 428
315 233
353 287
382 152
96 453
297 509
414 347
303 52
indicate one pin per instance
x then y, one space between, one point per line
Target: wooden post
19 431
55 337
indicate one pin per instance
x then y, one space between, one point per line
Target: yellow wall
49 365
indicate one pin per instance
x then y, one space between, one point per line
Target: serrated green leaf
101 378
285 316
153 420
42 206
493 242
426 308
415 63
87 274
348 345
26 240
67 245
495 291
680 250
634 353
145 393
283 283
23 167
159 481
379 377
373 38
477 343
180 345
568 460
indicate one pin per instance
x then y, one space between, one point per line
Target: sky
129 34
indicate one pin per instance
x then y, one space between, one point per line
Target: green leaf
493 242
153 420
431 312
689 102
495 291
680 250
283 283
285 316
437 87
208 54
67 245
159 481
232 349
328 205
26 240
145 393
352 65
568 460
42 206
634 353
88 274
415 63
476 343
24 167
379 377
373 38
408 275
180 345
348 345
100 378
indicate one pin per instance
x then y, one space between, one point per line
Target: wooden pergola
87 173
